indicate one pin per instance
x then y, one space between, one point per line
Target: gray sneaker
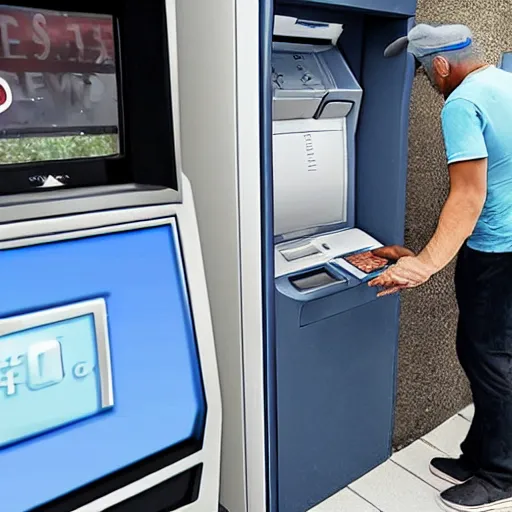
476 495
455 471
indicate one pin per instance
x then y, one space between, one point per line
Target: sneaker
476 495
455 471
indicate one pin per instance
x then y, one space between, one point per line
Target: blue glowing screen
154 371
49 377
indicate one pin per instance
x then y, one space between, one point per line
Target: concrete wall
431 385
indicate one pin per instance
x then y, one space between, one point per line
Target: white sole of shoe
444 476
452 507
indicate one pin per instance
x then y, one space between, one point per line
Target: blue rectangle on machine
54 369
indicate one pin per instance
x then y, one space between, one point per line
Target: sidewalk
404 483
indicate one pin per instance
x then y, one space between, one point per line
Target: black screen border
147 145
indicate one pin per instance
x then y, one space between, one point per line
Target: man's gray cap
425 40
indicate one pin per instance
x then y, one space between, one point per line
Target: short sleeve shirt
477 123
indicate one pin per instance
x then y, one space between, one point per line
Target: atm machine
109 391
294 134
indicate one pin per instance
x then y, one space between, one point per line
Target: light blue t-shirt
477 123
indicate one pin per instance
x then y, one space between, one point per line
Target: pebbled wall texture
431 386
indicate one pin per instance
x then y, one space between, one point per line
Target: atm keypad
366 262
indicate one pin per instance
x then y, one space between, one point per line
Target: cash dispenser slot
316 279
324 292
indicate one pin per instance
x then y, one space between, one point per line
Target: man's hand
408 272
385 280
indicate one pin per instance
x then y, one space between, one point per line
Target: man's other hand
408 272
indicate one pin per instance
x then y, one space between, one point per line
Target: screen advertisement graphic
54 369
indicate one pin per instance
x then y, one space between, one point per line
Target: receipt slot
109 391
294 128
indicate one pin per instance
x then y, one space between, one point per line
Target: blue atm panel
392 7
86 397
332 357
335 383
506 61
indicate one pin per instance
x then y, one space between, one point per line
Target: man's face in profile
421 71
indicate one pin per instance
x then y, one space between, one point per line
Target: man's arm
468 191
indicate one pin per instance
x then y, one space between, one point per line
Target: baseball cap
424 40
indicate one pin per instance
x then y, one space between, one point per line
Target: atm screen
311 280
81 104
58 86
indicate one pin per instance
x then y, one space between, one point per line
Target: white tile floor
404 483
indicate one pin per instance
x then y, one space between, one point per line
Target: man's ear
441 66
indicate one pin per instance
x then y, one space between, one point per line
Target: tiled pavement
404 483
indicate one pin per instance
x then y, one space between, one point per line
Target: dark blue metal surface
335 387
158 393
382 7
382 140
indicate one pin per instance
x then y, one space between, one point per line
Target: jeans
483 283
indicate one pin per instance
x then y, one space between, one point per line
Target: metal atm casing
335 359
233 126
114 273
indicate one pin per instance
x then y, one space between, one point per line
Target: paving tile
416 459
344 501
404 483
448 436
391 488
468 412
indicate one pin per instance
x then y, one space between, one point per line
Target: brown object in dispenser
367 262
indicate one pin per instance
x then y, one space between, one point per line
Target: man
476 223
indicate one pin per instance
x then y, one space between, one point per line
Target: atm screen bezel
147 144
